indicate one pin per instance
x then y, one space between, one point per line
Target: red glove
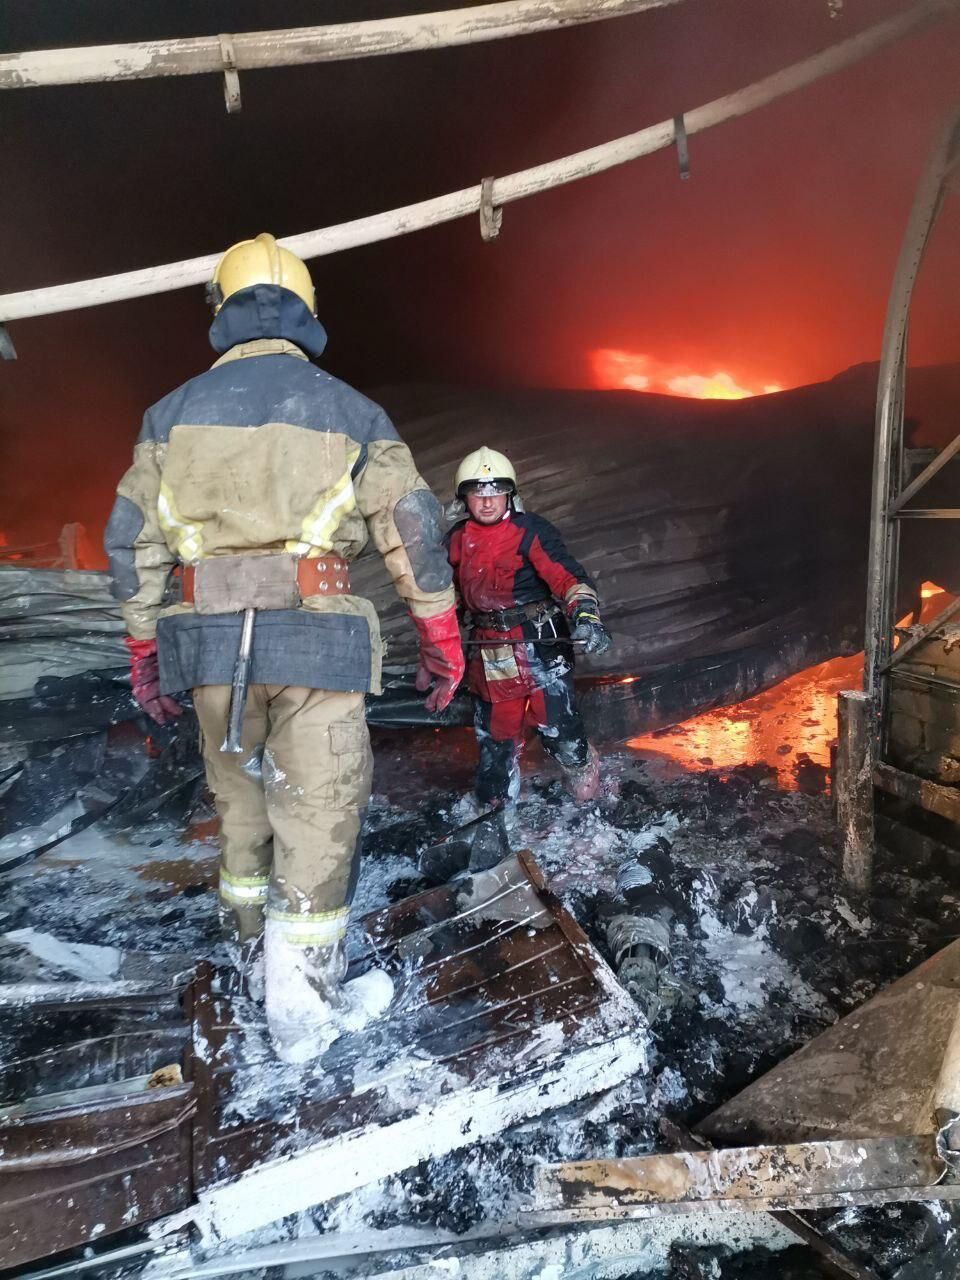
145 680
441 658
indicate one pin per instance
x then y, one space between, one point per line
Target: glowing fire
615 370
788 727
794 724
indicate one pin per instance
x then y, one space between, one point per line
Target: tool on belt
498 644
245 584
505 619
238 686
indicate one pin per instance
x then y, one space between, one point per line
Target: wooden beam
853 785
930 796
832 1260
742 1179
299 46
918 638
516 186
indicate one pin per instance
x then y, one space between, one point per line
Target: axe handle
238 688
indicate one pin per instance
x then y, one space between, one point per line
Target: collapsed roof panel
504 1011
713 529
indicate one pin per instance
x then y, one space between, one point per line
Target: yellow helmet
485 466
259 261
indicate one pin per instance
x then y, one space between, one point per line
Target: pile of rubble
715 896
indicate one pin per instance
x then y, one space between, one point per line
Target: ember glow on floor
789 726
793 723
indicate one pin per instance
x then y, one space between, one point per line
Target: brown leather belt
322 576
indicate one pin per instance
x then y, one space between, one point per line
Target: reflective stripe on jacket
265 452
517 561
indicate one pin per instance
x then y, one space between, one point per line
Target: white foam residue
670 1089
82 960
667 826
604 1253
748 967
451 1120
581 848
855 922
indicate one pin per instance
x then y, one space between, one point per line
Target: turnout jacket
520 560
264 453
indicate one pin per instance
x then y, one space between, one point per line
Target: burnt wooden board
502 1009
870 1075
86 1147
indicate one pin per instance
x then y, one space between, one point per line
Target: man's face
487 508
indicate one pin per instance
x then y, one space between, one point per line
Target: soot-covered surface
761 948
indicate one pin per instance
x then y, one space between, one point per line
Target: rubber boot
301 987
307 1001
248 969
583 783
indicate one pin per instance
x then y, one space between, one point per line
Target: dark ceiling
771 263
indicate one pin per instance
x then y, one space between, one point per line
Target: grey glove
587 631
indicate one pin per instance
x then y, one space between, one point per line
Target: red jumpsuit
510 577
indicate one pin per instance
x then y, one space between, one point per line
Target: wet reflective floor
789 728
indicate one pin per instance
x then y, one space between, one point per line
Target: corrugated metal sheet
711 527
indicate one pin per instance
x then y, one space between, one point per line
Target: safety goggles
488 488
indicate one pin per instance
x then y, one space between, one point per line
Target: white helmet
486 466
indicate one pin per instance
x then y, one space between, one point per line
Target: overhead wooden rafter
300 46
498 192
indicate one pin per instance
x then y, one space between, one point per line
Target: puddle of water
180 873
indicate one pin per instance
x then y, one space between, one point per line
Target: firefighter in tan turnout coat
254 485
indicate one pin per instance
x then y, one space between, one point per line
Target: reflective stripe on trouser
290 806
500 729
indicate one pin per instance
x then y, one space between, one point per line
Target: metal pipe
301 46
888 458
515 186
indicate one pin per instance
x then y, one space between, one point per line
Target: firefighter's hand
441 659
587 630
145 681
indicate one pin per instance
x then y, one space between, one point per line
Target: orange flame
616 370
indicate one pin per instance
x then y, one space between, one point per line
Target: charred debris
585 992
677 941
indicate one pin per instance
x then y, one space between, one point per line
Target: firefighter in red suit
527 603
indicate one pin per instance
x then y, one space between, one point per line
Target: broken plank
503 1011
744 1177
771 1206
930 796
276 1188
834 1261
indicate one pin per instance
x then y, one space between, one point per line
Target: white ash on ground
763 949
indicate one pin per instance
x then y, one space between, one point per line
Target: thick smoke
770 265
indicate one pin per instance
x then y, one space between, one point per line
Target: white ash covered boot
247 969
307 1002
298 982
